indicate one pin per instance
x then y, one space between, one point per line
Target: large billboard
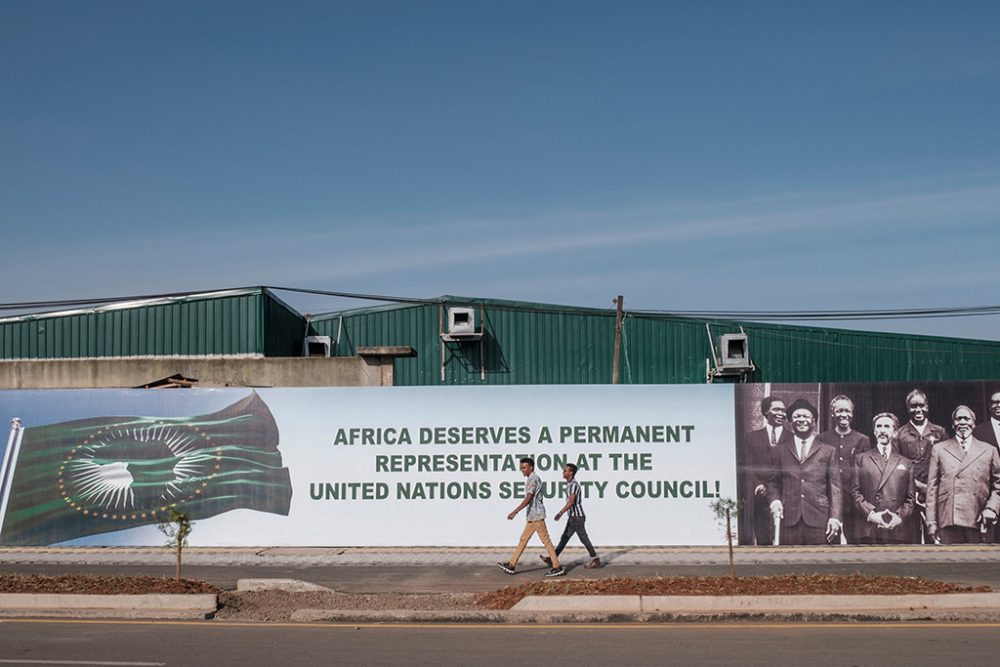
362 466
877 463
812 463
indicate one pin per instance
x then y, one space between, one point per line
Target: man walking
575 519
536 522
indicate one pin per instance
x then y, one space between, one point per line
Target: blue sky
688 155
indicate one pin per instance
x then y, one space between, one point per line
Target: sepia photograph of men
848 443
766 469
761 446
883 488
989 430
805 493
916 439
963 485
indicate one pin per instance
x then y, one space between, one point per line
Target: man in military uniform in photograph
883 487
848 444
916 439
963 485
805 494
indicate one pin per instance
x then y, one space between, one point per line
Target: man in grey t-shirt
536 522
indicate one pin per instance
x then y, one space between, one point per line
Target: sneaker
505 567
546 560
593 564
556 572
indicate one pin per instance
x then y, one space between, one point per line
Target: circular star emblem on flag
123 473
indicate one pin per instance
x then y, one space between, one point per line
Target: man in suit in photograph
805 494
989 430
760 447
883 487
963 485
916 439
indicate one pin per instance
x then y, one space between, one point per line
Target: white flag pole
8 466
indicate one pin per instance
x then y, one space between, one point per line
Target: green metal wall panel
524 343
537 344
284 329
226 324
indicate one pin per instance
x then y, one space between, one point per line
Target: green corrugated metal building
511 342
245 322
530 343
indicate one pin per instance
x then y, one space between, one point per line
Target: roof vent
317 346
461 321
730 356
734 353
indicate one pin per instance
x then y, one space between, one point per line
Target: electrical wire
748 315
787 315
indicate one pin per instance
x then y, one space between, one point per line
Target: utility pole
616 370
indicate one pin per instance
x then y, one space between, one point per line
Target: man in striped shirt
575 518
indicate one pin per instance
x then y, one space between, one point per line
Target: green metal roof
522 342
242 322
534 343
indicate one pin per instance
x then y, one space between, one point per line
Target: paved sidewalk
429 556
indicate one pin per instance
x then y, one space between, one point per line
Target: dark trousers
576 524
964 535
917 524
800 533
885 537
763 521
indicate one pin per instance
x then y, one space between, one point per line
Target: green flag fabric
103 474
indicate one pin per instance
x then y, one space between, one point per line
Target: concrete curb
560 609
158 606
597 618
287 585
769 604
946 606
537 609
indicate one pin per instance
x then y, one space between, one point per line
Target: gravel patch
277 606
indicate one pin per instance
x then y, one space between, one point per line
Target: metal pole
616 369
9 464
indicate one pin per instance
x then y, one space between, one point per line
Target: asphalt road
27 642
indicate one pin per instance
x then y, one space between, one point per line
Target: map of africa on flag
91 476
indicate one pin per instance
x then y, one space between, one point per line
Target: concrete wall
363 371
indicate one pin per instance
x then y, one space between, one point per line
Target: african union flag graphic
90 476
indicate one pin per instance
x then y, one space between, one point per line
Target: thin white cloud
521 250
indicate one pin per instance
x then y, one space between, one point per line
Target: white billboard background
651 493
